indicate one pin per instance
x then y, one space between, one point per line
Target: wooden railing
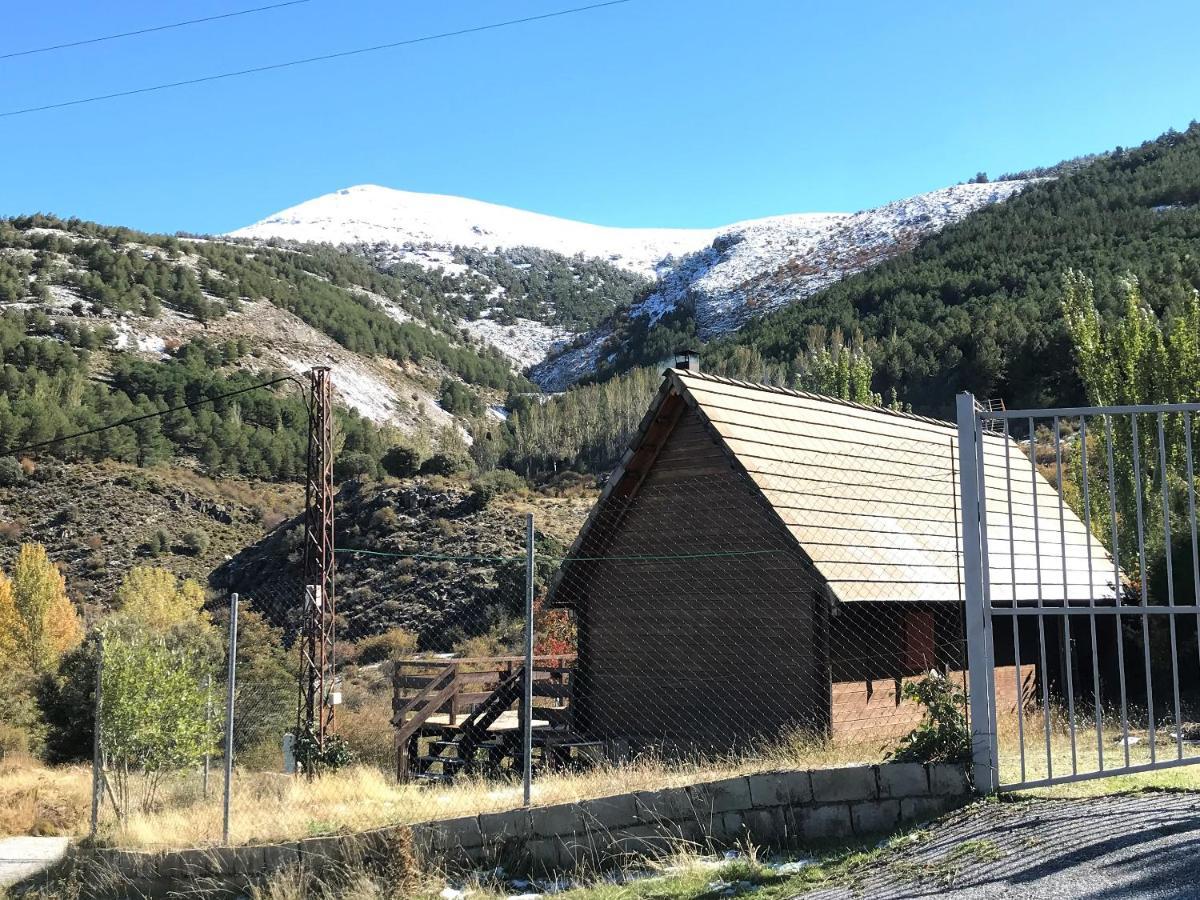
421 683
458 688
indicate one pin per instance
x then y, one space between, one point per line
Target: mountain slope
758 267
727 275
977 306
101 323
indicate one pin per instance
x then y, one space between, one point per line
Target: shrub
355 465
401 462
14 740
392 644
491 485
195 542
444 464
159 543
11 472
384 517
314 760
943 735
67 702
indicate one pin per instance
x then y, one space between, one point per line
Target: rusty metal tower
316 644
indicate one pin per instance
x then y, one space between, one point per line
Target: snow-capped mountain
370 214
722 276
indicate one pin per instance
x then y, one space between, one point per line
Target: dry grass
269 806
38 800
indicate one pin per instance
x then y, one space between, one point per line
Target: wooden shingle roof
872 497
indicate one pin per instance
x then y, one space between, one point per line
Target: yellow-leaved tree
155 599
38 622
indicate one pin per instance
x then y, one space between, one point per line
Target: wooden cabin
765 559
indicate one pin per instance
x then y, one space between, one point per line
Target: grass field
1088 755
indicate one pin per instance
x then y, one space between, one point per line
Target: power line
153 415
342 54
151 30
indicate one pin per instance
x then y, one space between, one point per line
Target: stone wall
788 809
772 809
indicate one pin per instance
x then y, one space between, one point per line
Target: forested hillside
977 307
573 293
101 324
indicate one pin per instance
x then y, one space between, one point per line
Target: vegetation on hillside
976 307
516 282
120 270
574 293
588 427
1138 359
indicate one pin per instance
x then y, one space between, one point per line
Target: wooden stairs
456 717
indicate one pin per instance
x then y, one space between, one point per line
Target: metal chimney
687 360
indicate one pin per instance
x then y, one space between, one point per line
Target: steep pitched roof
871 496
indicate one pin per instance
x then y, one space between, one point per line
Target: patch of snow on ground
370 396
526 342
558 372
130 338
763 265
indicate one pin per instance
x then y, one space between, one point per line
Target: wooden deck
465 715
507 721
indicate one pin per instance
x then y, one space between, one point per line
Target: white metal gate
1081 576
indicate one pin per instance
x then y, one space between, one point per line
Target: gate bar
1069 411
1065 634
1116 558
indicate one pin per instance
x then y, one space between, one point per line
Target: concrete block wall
772 809
787 809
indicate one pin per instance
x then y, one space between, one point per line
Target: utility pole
315 714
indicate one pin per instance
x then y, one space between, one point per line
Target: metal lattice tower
316 644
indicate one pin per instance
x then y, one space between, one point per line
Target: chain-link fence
729 605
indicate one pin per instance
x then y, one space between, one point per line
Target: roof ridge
810 395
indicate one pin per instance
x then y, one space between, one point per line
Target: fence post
984 768
97 740
208 711
229 694
527 698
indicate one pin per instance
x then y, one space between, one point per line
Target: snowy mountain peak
371 214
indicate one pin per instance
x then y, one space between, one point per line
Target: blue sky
655 112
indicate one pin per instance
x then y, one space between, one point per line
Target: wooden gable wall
702 650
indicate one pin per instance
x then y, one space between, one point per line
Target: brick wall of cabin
894 640
708 651
873 709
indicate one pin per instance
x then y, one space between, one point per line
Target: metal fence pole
984 766
527 701
229 694
97 742
208 711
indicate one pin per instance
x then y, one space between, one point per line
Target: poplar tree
38 622
1136 360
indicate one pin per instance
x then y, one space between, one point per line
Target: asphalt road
1137 846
